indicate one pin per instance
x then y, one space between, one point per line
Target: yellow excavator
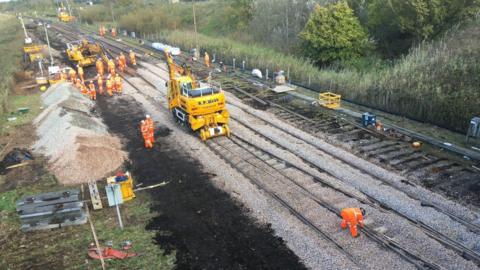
201 109
84 52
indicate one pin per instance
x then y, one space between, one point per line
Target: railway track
433 170
436 171
256 164
277 166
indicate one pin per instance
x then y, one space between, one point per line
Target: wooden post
95 238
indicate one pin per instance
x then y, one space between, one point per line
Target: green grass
32 102
71 243
10 45
7 201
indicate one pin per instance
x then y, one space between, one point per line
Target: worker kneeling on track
351 217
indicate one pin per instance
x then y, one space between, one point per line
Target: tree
398 24
333 33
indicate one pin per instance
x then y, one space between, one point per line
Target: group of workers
113 83
148 129
103 31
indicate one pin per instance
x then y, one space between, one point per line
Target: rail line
247 165
412 258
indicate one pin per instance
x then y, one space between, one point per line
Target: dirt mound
75 140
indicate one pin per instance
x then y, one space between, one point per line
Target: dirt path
205 227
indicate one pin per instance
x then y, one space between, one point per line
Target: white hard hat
143 121
148 115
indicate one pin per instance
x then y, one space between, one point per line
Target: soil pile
75 140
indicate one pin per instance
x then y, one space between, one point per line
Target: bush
333 33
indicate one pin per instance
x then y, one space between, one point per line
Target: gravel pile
77 143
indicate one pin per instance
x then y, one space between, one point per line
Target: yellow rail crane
201 109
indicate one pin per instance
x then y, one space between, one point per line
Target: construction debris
51 210
15 158
75 140
109 253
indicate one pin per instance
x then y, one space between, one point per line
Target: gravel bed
361 164
407 235
314 251
410 237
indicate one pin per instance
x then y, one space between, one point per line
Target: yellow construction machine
63 15
201 109
84 52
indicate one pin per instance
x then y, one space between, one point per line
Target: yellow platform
329 100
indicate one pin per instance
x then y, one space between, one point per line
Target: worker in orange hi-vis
100 84
63 76
118 63
207 59
99 66
93 91
73 75
114 32
78 84
149 122
351 217
100 32
84 89
123 59
109 85
151 127
118 84
80 73
133 59
145 134
111 67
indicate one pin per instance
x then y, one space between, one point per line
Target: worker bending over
145 134
351 217
133 59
